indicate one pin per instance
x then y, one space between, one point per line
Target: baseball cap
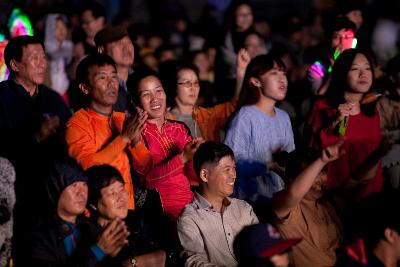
109 34
261 241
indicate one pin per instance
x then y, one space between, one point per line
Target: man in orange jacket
98 135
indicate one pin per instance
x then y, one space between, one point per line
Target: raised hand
190 148
332 152
243 59
134 125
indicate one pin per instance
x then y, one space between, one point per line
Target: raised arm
284 201
242 61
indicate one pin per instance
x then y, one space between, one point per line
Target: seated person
108 201
306 209
301 213
261 245
169 143
209 224
99 135
378 245
389 113
64 239
342 36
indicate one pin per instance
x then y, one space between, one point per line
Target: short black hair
15 48
347 6
99 177
96 8
82 71
210 151
381 212
341 23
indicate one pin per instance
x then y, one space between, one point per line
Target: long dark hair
339 81
259 65
229 16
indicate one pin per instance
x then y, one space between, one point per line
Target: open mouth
155 107
122 207
112 93
231 183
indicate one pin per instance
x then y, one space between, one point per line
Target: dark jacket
20 117
48 245
357 255
144 238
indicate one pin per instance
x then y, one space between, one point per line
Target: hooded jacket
48 239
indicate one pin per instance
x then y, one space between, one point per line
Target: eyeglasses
189 84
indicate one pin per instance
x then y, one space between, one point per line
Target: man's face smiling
221 177
103 88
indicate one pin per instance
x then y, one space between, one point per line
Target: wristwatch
134 262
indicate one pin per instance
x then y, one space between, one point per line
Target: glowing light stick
19 24
317 69
338 51
3 68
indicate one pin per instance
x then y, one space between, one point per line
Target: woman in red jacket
344 113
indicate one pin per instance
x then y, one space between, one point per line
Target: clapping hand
190 148
134 125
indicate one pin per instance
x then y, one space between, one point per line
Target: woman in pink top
170 145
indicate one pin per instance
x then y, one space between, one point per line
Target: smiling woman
170 144
108 202
352 79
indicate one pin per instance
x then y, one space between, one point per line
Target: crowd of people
238 144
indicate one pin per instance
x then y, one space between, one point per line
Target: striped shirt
207 236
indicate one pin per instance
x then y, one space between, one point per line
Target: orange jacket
212 120
95 139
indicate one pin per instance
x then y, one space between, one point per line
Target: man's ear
84 88
14 65
390 235
203 175
255 82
